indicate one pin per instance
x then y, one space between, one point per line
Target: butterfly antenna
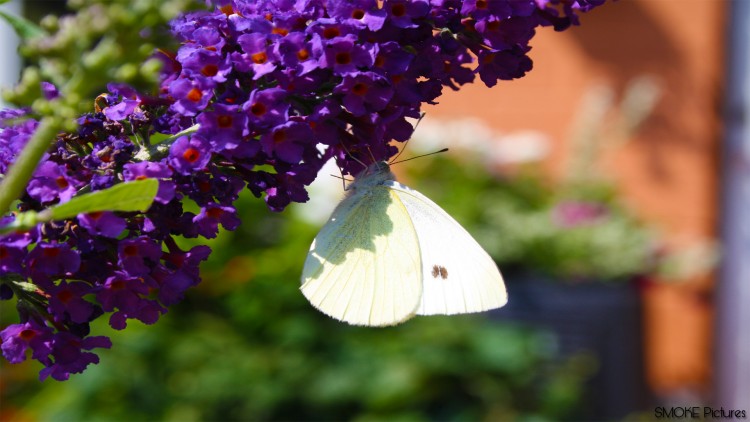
343 180
351 156
371 154
421 116
420 156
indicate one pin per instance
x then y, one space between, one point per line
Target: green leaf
23 27
129 196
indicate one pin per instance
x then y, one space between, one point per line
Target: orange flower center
331 32
191 155
343 58
280 31
279 136
360 88
259 58
195 95
130 250
258 109
398 10
27 335
51 252
224 121
65 296
61 182
215 213
210 70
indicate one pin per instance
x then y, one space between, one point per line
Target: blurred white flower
474 137
519 147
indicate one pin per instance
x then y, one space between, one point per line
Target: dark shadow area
599 322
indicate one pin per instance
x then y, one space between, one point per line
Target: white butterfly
388 253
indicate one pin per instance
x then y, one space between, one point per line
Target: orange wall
667 172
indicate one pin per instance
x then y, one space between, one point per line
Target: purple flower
204 188
191 96
296 52
287 141
189 154
331 29
224 125
88 124
67 298
163 219
52 259
288 187
392 59
10 258
127 297
109 154
344 55
18 239
49 91
260 58
403 13
364 11
502 65
364 92
146 170
17 338
211 215
51 182
267 107
102 223
69 356
180 273
138 256
501 34
248 21
121 110
201 63
13 135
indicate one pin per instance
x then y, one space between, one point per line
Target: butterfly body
388 253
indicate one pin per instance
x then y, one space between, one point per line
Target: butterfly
388 253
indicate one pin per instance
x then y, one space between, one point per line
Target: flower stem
161 150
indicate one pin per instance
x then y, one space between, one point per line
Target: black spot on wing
439 270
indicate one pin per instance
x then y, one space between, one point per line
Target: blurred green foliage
103 41
516 219
246 345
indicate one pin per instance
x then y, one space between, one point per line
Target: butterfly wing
458 275
364 266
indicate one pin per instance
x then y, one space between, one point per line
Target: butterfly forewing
458 276
364 265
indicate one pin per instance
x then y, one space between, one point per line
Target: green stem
161 150
20 172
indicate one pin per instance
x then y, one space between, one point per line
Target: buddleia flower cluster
259 95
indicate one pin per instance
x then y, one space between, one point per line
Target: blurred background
611 185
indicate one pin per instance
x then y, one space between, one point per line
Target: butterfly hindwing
458 276
364 265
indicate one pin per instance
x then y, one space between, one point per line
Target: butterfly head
375 174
